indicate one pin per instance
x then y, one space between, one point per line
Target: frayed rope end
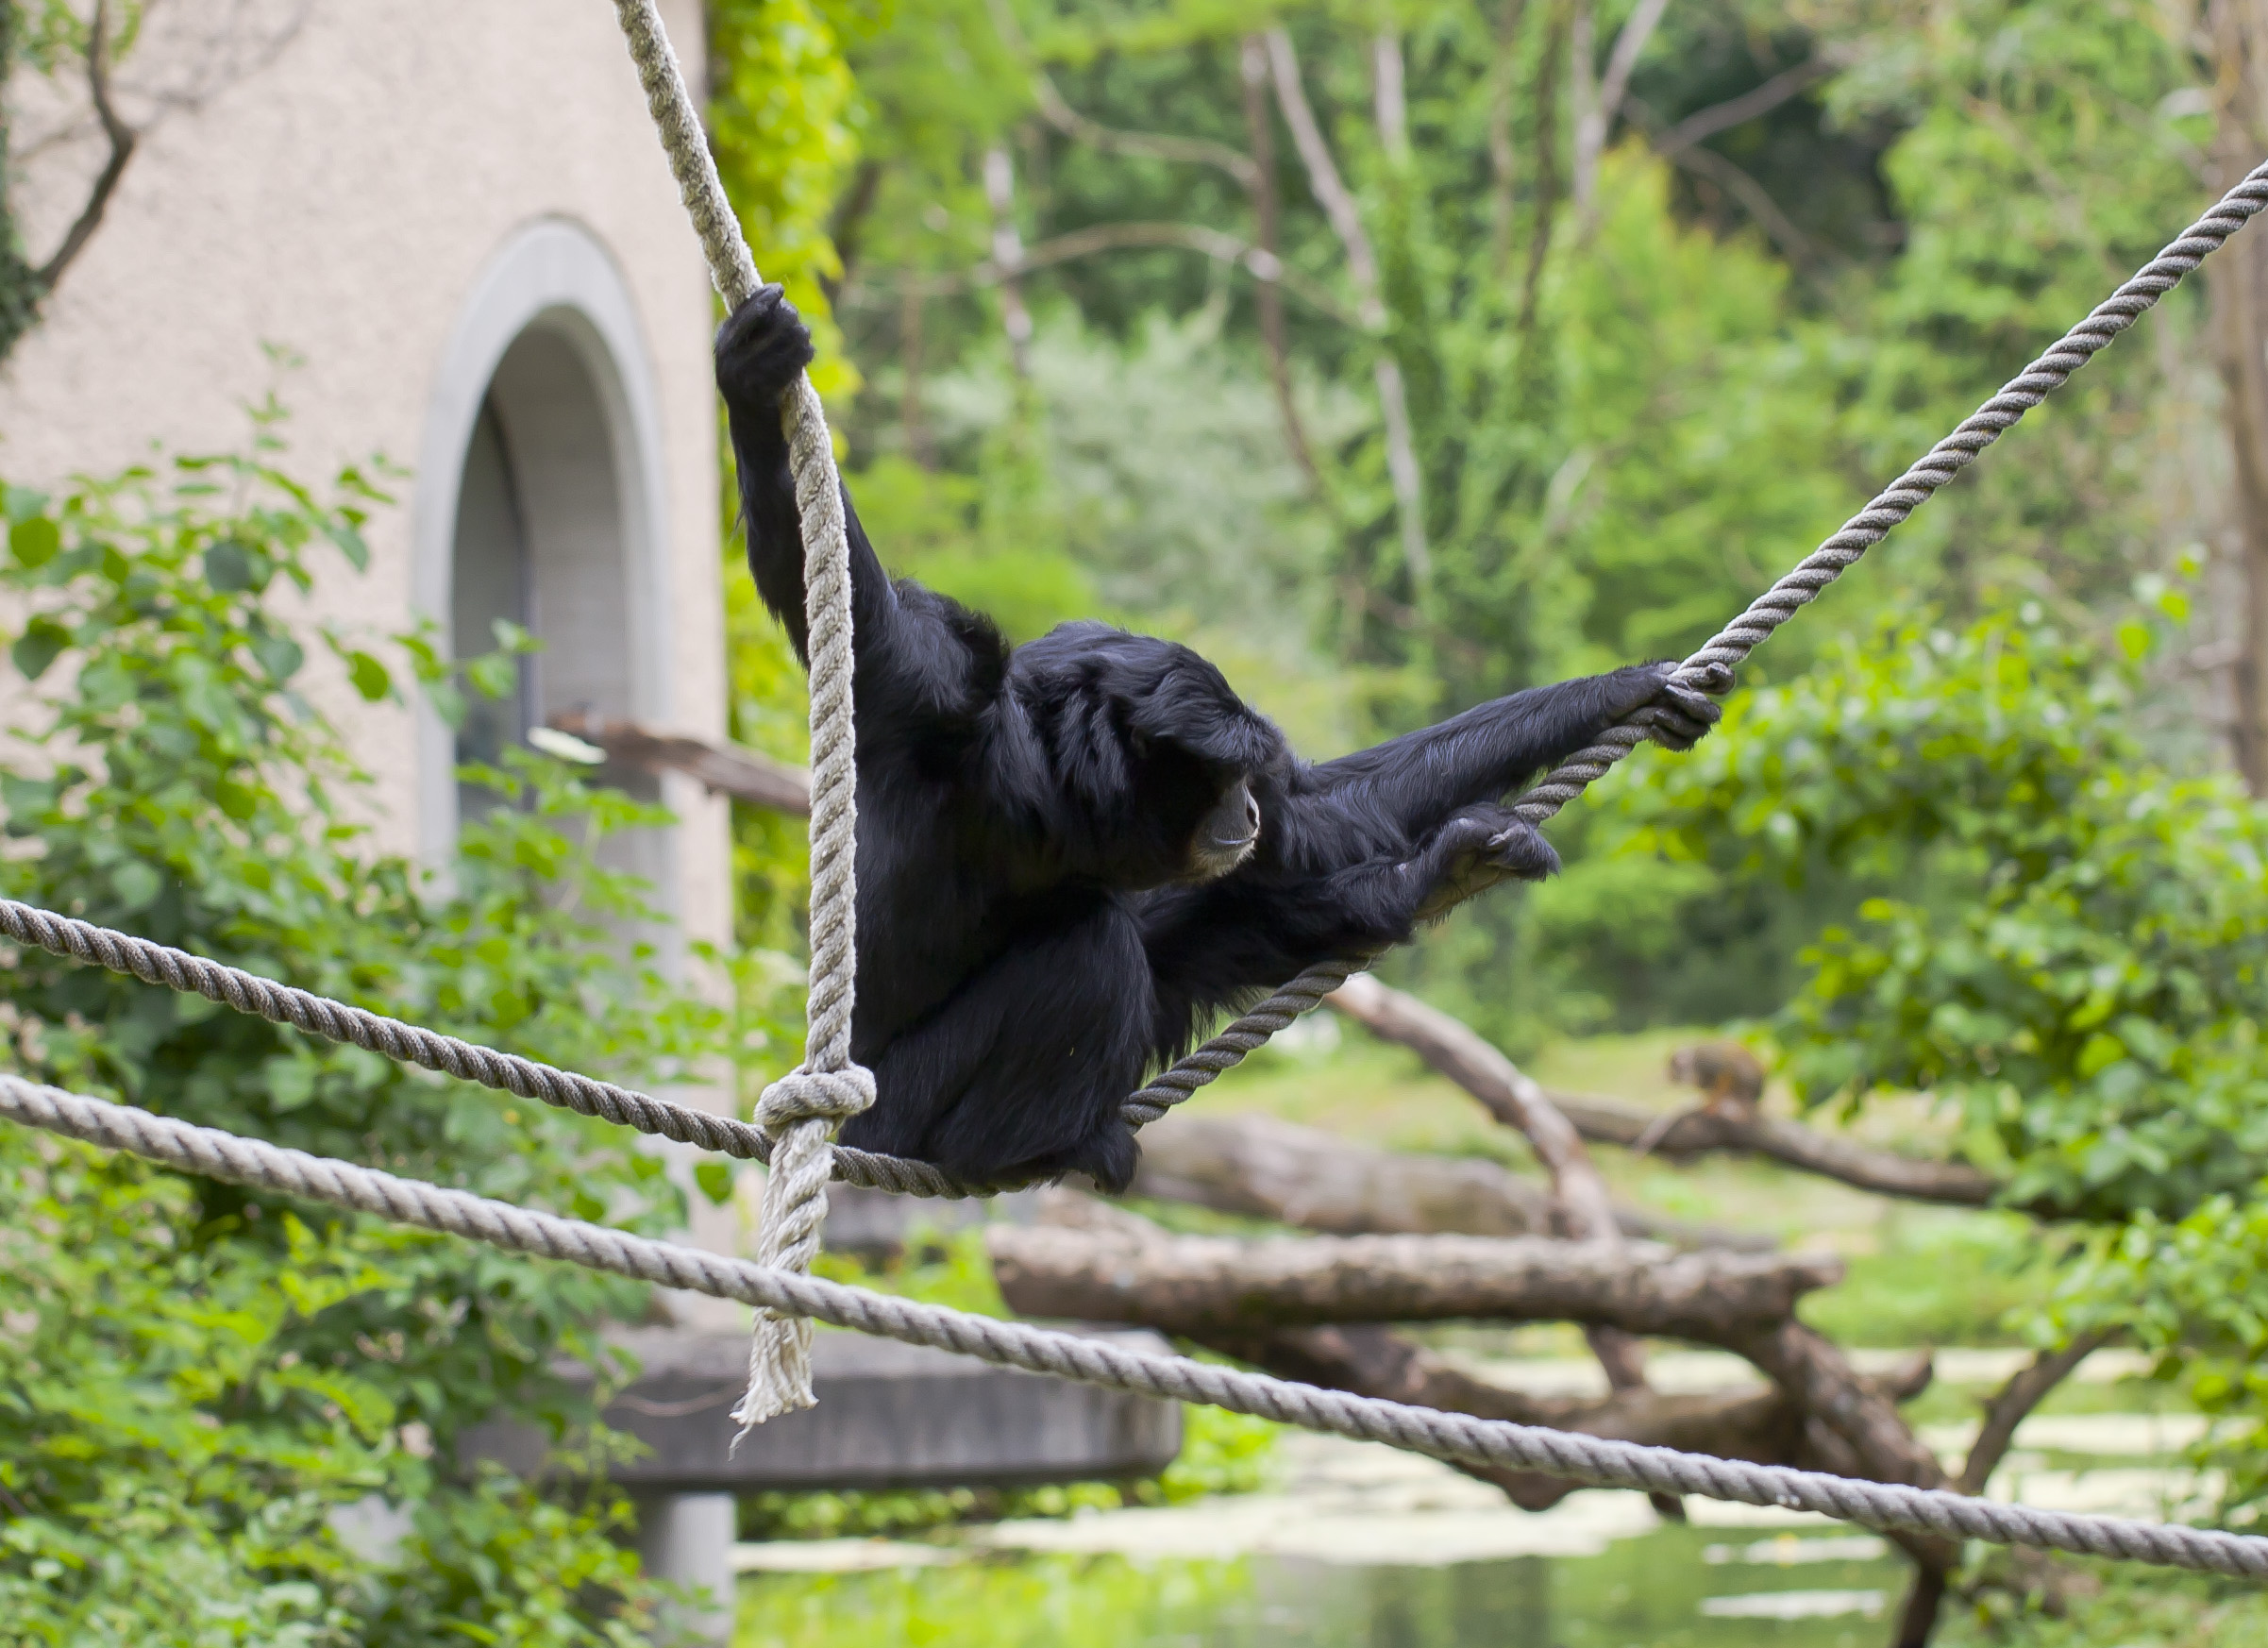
778 1373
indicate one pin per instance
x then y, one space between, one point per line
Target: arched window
539 504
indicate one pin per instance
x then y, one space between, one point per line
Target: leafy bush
195 1378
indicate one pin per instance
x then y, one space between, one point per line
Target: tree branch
1332 194
1149 145
1704 124
121 137
1454 1050
2014 1401
1268 302
1759 1424
1698 1133
1597 116
1706 163
1119 237
1144 144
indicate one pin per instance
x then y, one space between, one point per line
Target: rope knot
815 1096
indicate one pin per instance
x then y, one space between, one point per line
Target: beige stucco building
454 216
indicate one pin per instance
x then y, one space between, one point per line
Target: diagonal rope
801 1111
1568 1455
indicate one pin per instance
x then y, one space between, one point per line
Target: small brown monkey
1730 1078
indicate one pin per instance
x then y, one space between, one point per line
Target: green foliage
197 1377
783 120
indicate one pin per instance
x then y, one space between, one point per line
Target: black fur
1033 927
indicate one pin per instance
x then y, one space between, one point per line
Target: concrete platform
889 1416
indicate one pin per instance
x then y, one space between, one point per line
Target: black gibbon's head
1190 761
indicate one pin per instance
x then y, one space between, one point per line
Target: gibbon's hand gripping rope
1568 1455
801 1110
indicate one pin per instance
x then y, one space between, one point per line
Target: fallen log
1195 1284
1263 1168
1761 1424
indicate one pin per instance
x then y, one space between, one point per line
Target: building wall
339 194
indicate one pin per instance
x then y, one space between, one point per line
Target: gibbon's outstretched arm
1353 850
1417 780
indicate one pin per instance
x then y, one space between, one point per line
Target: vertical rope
802 1109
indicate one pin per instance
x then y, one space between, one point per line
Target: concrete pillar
687 1539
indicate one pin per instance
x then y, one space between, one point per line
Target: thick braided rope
1732 645
803 1111
1446 1435
176 970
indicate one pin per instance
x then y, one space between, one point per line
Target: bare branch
1518 1102
1331 192
121 138
1456 1051
1547 165
2014 1403
1388 96
1008 257
1146 146
1697 1133
1597 115
1706 163
1704 124
1501 67
1323 182
1119 236
1759 1423
1260 133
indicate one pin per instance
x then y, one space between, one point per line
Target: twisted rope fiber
801 1111
1589 1459
1732 645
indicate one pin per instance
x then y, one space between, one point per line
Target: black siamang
1072 852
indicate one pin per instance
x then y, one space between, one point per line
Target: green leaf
137 885
2102 1051
279 655
35 541
351 545
291 1080
41 645
369 676
714 1179
228 566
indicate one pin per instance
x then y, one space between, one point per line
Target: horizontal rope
176 970
1573 1456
